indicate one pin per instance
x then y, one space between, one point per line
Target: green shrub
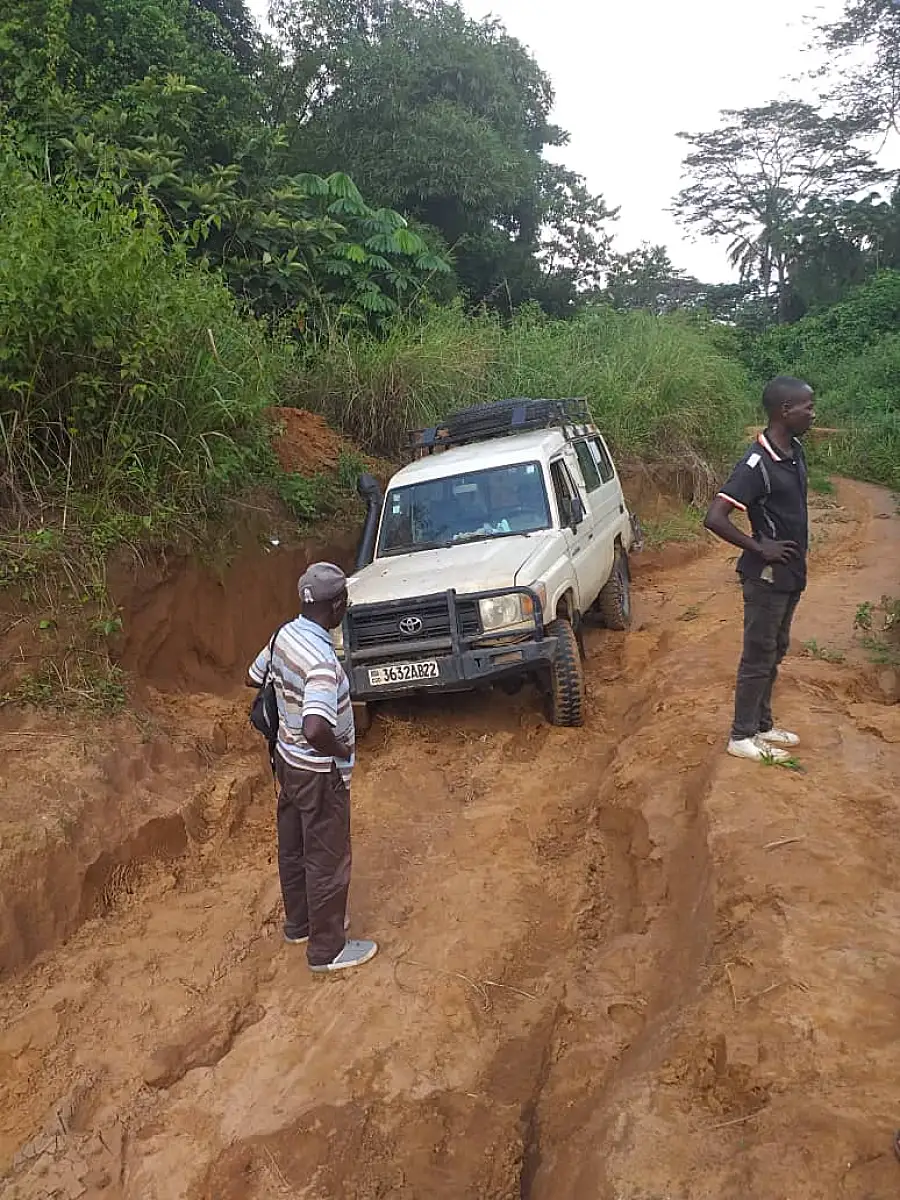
818 343
861 396
851 355
129 381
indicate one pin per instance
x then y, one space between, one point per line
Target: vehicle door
604 496
583 468
572 519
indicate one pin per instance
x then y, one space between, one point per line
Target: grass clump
819 481
684 524
813 649
878 627
78 683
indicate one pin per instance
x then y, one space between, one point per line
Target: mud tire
614 602
566 677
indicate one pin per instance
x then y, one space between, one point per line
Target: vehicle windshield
461 508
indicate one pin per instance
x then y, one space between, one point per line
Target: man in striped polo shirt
314 760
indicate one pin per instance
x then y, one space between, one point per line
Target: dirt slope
615 964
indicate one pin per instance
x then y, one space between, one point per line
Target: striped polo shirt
309 681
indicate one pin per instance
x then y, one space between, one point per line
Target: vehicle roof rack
503 418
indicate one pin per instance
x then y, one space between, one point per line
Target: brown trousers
314 857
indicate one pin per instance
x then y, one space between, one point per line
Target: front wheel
614 602
566 676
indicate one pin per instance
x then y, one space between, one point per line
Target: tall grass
655 385
861 397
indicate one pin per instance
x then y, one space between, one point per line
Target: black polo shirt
771 489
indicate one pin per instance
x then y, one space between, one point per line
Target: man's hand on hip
778 552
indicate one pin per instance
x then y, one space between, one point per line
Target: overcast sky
629 75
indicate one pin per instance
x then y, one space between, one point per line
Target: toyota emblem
411 625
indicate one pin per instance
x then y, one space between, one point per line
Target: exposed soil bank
615 964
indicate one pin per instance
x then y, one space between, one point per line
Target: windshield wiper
483 537
471 537
418 546
463 540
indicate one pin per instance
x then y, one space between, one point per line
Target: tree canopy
761 178
368 153
432 127
168 98
447 120
866 41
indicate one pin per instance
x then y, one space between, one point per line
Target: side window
588 466
604 462
396 528
571 506
563 491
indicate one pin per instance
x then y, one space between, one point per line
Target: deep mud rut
615 964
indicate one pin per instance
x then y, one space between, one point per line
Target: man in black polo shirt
769 485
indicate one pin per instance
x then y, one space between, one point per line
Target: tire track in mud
644 947
105 956
740 1030
646 921
564 916
503 1128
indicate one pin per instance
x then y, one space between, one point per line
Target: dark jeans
767 633
314 857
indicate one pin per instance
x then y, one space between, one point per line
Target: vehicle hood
471 567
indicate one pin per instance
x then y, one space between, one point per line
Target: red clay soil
615 964
304 442
187 628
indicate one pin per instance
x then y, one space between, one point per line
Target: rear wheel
566 676
614 602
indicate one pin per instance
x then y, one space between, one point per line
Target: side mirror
577 512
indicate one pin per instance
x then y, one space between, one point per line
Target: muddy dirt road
615 965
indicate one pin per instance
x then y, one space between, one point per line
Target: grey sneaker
302 939
354 954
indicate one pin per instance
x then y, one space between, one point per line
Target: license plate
410 672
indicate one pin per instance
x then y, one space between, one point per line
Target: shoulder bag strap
268 670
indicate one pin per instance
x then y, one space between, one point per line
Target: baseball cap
321 581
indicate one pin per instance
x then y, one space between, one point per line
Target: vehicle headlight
337 636
504 612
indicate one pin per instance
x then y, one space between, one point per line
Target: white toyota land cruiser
479 563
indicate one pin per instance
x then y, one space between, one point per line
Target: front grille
379 625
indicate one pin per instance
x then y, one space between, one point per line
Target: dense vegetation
356 213
131 382
850 352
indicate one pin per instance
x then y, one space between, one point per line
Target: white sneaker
756 750
778 737
354 954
